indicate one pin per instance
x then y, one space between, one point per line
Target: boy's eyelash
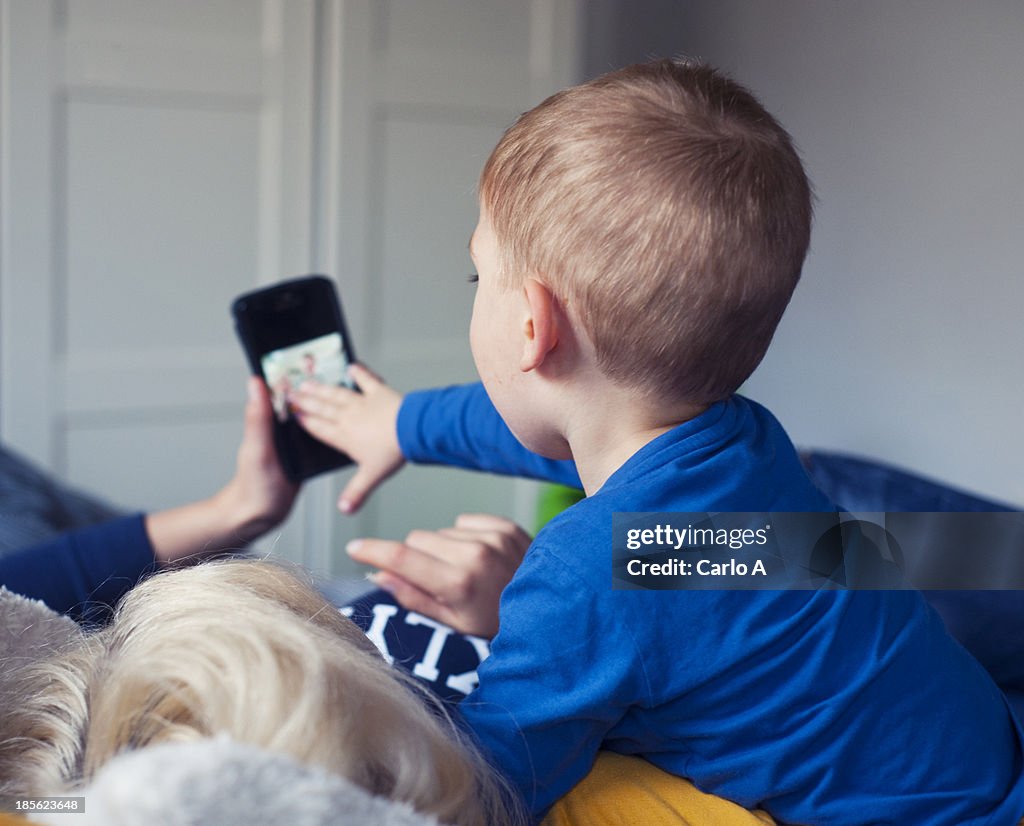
472 278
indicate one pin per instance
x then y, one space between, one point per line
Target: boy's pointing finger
410 564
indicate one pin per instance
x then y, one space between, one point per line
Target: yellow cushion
625 791
8 819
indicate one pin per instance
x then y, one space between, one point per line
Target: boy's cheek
483 341
474 340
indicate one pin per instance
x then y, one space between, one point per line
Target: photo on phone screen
320 359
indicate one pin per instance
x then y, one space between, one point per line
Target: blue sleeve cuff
410 435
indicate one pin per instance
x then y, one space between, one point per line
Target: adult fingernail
250 389
346 505
353 546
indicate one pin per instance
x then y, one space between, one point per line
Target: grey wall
905 338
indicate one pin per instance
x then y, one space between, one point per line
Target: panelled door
158 158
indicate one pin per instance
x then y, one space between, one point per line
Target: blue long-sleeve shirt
83 573
822 707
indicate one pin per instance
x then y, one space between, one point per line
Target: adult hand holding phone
256 499
363 425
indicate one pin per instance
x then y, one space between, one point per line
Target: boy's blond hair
668 210
247 649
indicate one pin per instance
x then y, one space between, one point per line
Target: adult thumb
258 412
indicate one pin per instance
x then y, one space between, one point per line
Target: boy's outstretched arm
380 429
460 426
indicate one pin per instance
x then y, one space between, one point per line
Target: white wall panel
153 260
488 29
164 158
220 18
456 52
138 461
426 215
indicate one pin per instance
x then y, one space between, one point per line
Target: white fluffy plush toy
220 781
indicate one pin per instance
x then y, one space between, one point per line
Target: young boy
639 238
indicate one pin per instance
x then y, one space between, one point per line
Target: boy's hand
363 425
455 575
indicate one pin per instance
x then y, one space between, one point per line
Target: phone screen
319 359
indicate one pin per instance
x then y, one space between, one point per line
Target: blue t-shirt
828 707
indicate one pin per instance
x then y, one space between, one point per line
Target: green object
554 499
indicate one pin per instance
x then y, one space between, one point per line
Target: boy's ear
540 328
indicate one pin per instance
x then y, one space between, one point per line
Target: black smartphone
291 332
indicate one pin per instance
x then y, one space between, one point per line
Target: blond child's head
669 214
247 649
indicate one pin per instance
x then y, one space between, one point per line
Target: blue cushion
990 624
